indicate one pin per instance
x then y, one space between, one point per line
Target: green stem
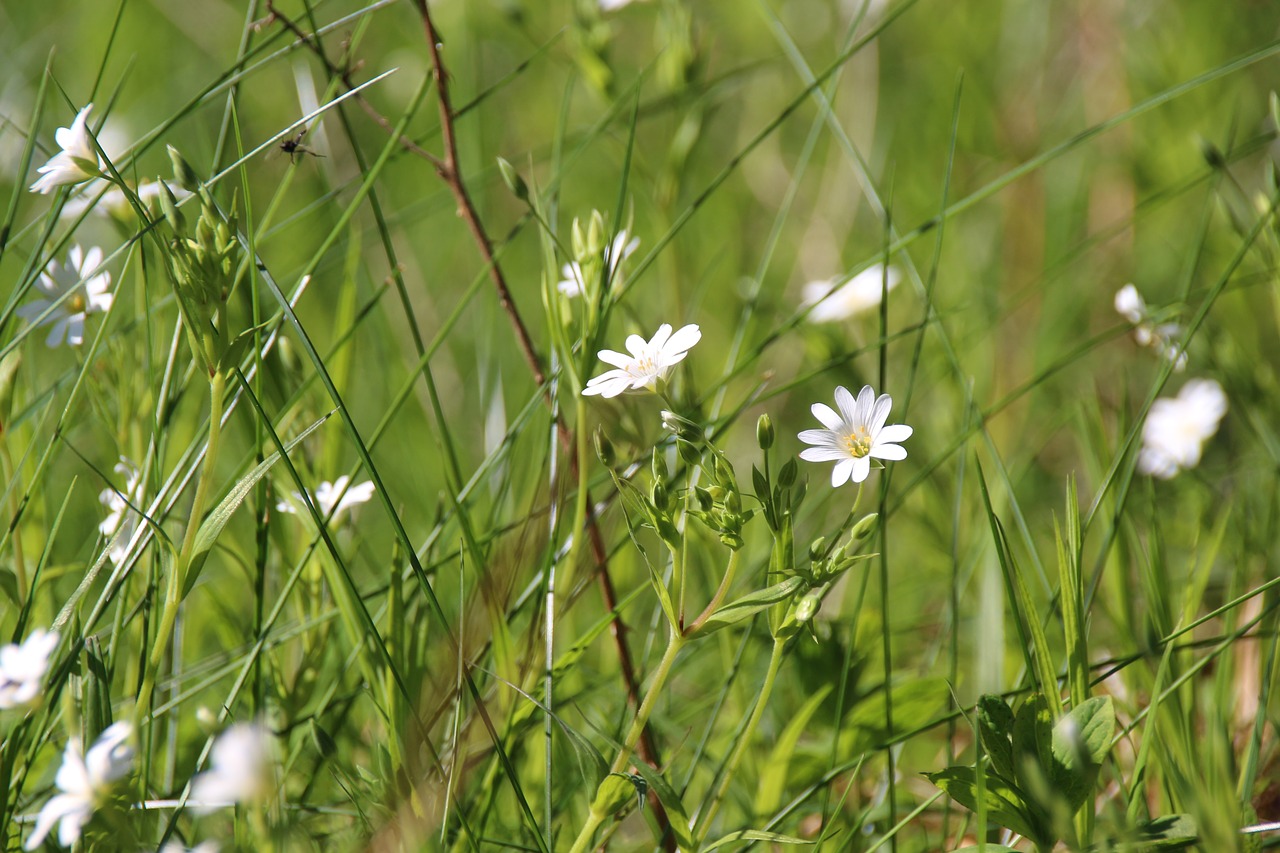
594 819
729 572
743 740
178 577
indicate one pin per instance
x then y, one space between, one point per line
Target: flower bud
182 171
604 448
808 605
705 501
659 496
512 179
816 547
688 452
616 792
865 527
732 540
595 234
578 240
659 467
764 431
787 475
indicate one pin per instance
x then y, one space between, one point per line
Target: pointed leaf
755 835
995 726
1005 804
213 523
671 802
1032 745
749 605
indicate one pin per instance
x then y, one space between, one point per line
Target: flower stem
178 577
743 740
594 819
729 571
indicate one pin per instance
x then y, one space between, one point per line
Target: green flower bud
764 432
659 466
732 501
705 501
616 792
512 179
595 234
865 527
816 547
731 540
787 476
604 448
689 453
182 171
578 240
659 496
808 605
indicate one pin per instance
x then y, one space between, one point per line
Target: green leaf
1005 804
671 802
749 605
231 354
213 523
1079 742
988 848
915 703
754 835
1033 745
1172 832
773 775
995 727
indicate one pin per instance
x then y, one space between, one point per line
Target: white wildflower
573 284
121 519
114 203
86 782
333 497
1161 337
76 162
1177 428
66 316
858 294
855 435
23 668
648 363
240 771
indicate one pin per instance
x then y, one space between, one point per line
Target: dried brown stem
449 172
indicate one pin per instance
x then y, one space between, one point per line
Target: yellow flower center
76 304
858 442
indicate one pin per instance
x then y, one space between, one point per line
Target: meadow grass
326 527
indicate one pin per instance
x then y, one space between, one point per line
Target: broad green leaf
1005 804
671 802
915 704
754 835
995 726
1079 742
1033 745
773 774
749 605
1172 832
213 523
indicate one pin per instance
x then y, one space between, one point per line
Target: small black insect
294 147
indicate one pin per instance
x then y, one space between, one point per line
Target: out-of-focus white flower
330 495
1177 428
23 667
855 435
1160 337
114 203
67 318
858 294
610 5
241 769
120 518
76 162
649 361
86 781
573 285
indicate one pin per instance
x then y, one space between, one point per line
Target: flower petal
843 472
888 451
848 406
824 454
861 468
894 433
684 339
827 415
820 437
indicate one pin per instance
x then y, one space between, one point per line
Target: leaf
754 835
213 523
915 704
995 726
1079 743
760 483
1032 745
749 605
988 848
671 802
1005 804
1172 832
773 776
231 355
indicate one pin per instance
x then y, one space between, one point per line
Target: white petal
827 415
820 437
824 454
637 345
879 413
848 406
861 468
659 339
894 433
58 808
617 359
684 339
888 451
843 471
866 402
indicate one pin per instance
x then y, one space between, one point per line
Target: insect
294 147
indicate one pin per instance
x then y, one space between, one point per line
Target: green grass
558 624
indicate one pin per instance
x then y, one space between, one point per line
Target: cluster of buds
720 504
825 567
202 267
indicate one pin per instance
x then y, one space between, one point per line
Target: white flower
330 495
23 667
240 769
113 202
86 782
76 162
573 285
649 361
1177 428
858 294
120 518
67 318
855 435
1130 305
